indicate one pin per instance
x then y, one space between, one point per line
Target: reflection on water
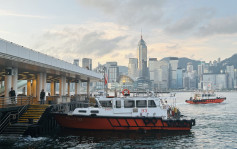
216 127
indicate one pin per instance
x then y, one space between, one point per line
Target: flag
106 79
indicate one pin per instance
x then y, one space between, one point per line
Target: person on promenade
42 95
12 95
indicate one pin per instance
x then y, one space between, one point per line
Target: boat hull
122 123
206 101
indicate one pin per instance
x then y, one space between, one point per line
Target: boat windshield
151 104
107 103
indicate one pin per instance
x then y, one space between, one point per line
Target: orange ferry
205 98
126 113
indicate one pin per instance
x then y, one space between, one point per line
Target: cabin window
129 104
118 103
141 104
106 104
151 103
82 111
94 111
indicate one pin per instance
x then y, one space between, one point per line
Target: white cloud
15 14
130 12
99 41
219 26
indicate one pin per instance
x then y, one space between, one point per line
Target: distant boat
205 98
126 113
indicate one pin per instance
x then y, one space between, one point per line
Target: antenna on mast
141 33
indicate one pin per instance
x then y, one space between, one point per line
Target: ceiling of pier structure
29 71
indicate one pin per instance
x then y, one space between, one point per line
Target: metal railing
6 102
11 117
5 122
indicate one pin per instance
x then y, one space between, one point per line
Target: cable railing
6 102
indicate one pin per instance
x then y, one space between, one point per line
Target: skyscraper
142 59
173 74
231 76
112 71
132 68
153 70
76 62
87 63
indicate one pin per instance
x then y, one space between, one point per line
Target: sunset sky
109 30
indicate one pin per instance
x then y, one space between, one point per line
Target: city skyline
103 30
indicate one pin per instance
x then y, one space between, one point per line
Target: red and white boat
205 98
126 113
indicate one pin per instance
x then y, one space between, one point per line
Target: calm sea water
216 127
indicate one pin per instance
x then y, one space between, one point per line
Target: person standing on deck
42 95
12 95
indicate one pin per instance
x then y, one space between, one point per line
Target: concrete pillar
68 87
44 81
88 87
14 79
39 83
28 87
77 87
52 88
62 85
33 92
8 85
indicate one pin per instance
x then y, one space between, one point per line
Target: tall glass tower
142 59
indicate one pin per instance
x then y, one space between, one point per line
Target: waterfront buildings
214 81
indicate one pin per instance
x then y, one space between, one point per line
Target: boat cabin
126 106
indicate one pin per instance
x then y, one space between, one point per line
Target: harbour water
216 127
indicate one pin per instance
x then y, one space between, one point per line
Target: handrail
6 121
21 111
7 118
18 101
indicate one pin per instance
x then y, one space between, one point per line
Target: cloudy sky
109 30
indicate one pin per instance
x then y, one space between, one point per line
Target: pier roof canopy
30 63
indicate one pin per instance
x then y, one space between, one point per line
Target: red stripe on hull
206 101
104 123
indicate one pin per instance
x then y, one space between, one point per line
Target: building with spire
142 59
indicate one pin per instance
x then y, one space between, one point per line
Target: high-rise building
99 85
76 62
235 79
152 69
230 70
112 71
189 67
132 68
162 75
219 60
173 74
87 63
179 78
214 81
142 59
